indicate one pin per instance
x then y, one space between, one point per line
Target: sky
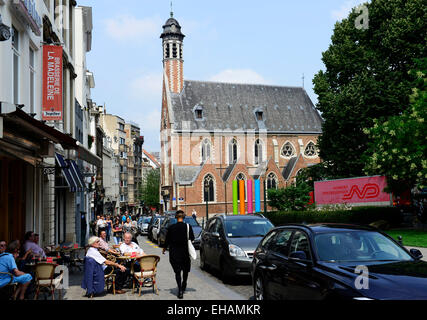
272 42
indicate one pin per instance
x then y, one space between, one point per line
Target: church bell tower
173 63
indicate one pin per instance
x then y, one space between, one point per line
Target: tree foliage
398 147
150 188
367 78
291 198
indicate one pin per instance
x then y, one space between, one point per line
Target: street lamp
207 199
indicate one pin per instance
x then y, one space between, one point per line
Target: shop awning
67 172
75 170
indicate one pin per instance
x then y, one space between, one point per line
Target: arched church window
206 150
232 151
208 188
310 150
288 150
272 182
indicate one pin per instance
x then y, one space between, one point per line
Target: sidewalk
199 286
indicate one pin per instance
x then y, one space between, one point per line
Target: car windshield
246 228
358 246
146 220
188 220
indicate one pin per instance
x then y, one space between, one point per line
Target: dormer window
259 115
198 113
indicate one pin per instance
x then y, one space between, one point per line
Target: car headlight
235 251
362 299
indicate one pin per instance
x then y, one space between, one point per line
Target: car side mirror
215 234
298 255
416 254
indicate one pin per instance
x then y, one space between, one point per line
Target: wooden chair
45 279
148 271
110 279
9 290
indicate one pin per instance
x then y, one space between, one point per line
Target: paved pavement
199 287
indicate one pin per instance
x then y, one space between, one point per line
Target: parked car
332 261
143 224
170 220
150 227
156 229
228 243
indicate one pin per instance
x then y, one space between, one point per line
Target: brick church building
213 133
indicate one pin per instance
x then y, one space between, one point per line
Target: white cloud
147 88
345 9
239 76
127 27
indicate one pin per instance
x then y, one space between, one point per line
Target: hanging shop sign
52 83
26 9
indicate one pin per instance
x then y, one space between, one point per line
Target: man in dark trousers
177 242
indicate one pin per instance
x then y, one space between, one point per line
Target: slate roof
229 106
186 175
290 167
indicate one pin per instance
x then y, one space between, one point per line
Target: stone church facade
213 133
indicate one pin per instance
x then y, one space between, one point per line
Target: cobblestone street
200 286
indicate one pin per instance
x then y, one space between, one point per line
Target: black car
228 243
170 220
150 226
332 261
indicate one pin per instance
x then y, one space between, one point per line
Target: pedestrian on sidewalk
194 214
179 258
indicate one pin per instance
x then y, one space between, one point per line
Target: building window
208 189
167 51
32 81
288 150
271 181
199 114
259 116
232 151
258 152
206 150
16 57
122 141
121 127
310 150
174 50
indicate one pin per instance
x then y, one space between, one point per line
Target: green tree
294 197
367 77
150 188
398 147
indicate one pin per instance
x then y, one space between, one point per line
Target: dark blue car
331 261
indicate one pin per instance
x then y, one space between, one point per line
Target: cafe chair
45 279
148 271
110 281
77 258
8 292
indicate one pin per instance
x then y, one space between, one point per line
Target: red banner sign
357 190
52 83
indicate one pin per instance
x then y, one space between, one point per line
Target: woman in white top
107 265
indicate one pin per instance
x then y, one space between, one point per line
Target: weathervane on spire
171 10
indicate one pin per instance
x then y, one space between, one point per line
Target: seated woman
107 265
8 265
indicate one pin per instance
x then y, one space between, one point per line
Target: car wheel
259 288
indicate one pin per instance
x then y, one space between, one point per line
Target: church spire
173 59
